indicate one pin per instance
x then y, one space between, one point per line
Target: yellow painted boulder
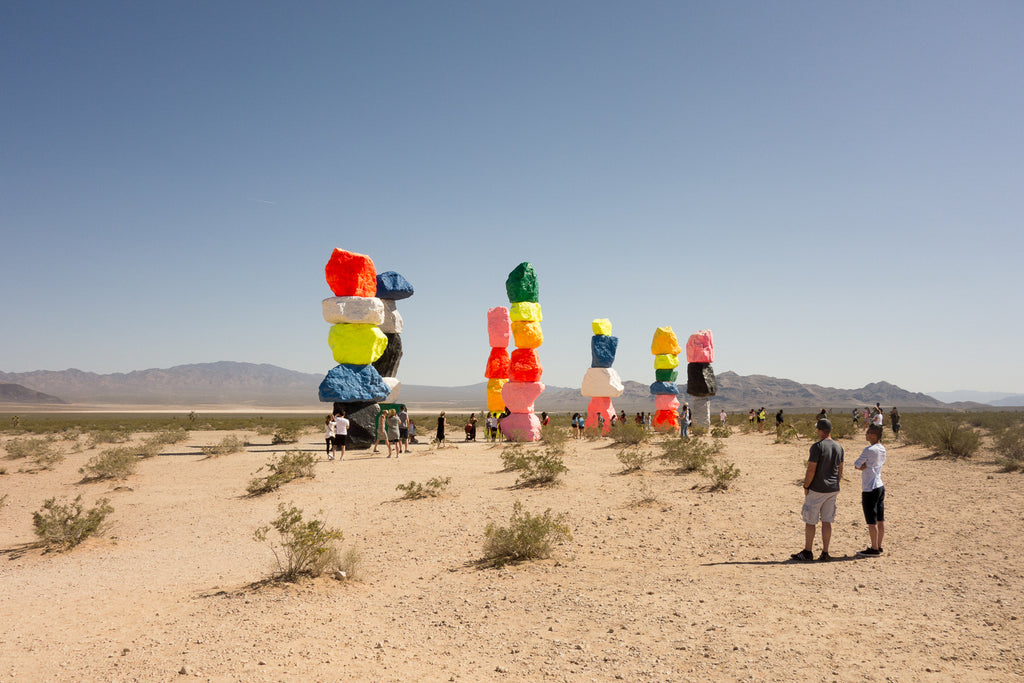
666 361
602 326
354 344
525 310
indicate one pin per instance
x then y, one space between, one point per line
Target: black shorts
403 433
339 440
873 503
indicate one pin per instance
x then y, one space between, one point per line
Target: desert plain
663 580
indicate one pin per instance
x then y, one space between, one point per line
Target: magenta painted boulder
520 427
499 327
519 396
666 402
700 348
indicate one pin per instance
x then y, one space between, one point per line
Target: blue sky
833 188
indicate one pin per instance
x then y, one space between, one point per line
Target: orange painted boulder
665 421
527 334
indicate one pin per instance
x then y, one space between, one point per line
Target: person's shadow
788 560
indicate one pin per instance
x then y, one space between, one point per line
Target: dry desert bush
305 547
229 444
527 537
63 526
434 487
113 463
283 469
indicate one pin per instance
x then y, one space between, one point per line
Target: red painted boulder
351 274
525 366
497 364
600 405
665 420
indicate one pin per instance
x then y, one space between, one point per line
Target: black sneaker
803 556
869 552
824 557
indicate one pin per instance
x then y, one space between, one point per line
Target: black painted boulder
387 364
700 380
362 423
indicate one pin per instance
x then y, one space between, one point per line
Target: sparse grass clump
117 434
433 488
35 448
629 434
283 469
285 434
950 437
527 537
634 458
721 432
114 463
554 435
304 547
229 444
785 433
3 501
65 526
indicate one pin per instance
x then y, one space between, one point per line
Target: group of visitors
395 428
821 490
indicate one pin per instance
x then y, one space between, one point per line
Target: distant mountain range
231 383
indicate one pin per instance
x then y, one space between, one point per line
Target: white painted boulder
357 310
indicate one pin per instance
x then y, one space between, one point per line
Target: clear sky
835 189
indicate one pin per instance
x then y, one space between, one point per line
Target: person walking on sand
821 489
394 436
441 423
856 418
403 429
894 422
340 433
872 497
779 419
762 417
329 436
685 419
382 429
722 416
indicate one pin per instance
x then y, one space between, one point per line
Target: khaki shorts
819 507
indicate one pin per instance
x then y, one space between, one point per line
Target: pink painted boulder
519 396
700 348
520 427
499 327
666 402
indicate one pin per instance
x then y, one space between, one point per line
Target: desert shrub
15 421
511 456
785 433
283 469
349 565
950 437
117 434
634 458
554 435
304 547
65 526
698 430
1009 446
722 475
721 432
629 434
3 501
689 455
842 428
229 444
527 537
643 494
167 437
29 448
539 469
285 434
433 488
113 463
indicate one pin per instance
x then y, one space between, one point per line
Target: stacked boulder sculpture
365 340
524 370
700 377
666 350
499 332
601 382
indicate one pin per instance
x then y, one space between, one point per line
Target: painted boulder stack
601 383
359 339
499 332
524 370
666 350
700 377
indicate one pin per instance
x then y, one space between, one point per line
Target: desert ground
693 586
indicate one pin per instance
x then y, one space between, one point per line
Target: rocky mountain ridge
228 382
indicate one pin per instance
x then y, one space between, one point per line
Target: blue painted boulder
602 350
350 383
391 285
664 388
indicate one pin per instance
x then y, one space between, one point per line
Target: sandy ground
696 586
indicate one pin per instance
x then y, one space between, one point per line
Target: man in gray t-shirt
821 488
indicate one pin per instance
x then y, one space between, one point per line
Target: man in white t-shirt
340 433
873 490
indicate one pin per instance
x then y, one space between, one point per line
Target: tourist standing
894 420
394 436
441 423
872 497
403 429
329 436
821 489
340 433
